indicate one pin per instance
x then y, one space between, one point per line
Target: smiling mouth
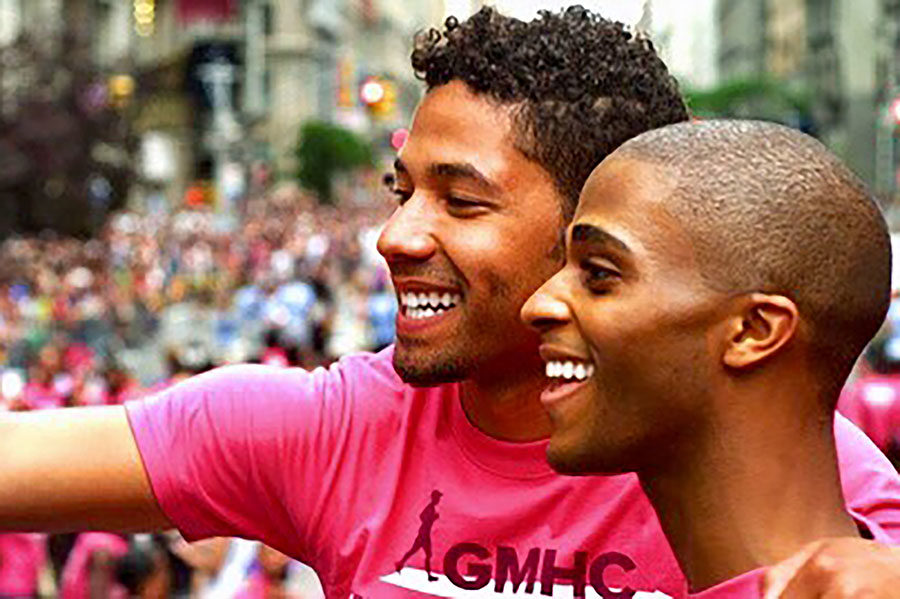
421 305
565 377
569 370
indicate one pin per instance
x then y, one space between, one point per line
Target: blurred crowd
282 280
287 281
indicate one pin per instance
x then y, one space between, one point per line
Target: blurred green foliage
325 150
753 97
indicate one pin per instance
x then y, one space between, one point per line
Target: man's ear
764 325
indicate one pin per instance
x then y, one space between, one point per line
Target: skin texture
56 476
836 569
612 283
720 380
481 221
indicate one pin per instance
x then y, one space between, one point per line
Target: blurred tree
324 150
757 98
64 139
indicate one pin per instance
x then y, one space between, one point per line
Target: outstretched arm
73 469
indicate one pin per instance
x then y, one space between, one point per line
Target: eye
597 277
401 194
462 207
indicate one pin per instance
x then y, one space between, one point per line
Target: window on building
268 18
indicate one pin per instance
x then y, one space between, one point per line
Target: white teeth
422 305
569 369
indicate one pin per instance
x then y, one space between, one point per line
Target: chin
573 461
418 369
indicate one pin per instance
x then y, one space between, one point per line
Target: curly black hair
579 85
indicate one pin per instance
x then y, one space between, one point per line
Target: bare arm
73 469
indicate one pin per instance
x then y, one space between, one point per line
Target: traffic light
379 95
894 111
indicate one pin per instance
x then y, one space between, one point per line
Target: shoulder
859 458
362 373
870 483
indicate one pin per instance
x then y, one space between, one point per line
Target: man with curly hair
334 467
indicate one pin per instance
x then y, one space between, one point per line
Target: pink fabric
75 583
43 397
22 557
873 404
338 468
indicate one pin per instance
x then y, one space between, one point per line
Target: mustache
435 273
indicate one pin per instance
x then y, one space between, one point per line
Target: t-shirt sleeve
241 451
870 483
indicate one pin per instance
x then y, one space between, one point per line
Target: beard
423 367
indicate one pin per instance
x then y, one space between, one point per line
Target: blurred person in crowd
120 385
872 400
274 353
48 384
515 117
90 569
381 310
204 559
144 571
757 290
268 576
23 556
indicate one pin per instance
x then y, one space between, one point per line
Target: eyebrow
586 234
453 170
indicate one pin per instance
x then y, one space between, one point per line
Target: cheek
514 262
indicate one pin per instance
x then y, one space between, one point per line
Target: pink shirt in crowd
75 583
22 557
359 475
43 397
873 404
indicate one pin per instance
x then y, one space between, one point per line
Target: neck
750 490
504 402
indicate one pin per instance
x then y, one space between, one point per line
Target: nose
546 308
407 236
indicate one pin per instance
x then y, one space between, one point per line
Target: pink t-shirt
22 557
873 404
75 583
358 475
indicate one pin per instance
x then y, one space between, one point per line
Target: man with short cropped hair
754 268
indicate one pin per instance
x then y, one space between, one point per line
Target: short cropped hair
770 209
579 84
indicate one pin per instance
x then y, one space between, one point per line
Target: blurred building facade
686 40
64 137
826 55
217 85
